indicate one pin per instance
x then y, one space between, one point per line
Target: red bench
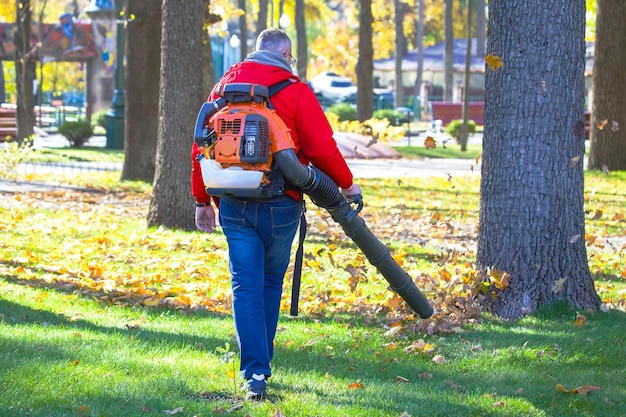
8 124
447 111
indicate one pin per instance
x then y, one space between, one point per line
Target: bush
345 111
76 132
98 118
394 117
454 128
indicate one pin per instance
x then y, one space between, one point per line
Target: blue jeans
259 235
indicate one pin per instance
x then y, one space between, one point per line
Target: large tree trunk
608 133
365 63
532 223
448 53
143 64
171 204
302 48
24 70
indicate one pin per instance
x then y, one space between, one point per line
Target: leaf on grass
425 375
493 61
401 380
583 390
439 359
355 385
580 319
558 285
430 142
278 413
175 411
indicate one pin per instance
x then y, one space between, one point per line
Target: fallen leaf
580 319
439 359
583 390
401 379
355 385
430 142
174 411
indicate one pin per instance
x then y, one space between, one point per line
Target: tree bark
608 113
302 48
24 71
261 23
365 63
448 57
532 223
243 30
171 204
143 63
398 7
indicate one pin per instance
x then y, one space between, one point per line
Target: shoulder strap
275 88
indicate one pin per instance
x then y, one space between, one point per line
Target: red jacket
301 112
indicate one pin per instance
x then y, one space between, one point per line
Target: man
260 232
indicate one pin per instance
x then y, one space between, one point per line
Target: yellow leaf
584 390
501 279
493 61
602 124
355 385
230 373
430 142
580 320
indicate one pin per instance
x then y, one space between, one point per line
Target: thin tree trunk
400 51
608 121
243 30
532 222
448 54
24 70
302 48
365 63
466 85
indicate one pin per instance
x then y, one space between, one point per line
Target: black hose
324 193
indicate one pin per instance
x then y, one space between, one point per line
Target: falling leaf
574 238
573 161
580 320
605 169
558 285
602 124
614 126
355 385
430 142
597 215
493 61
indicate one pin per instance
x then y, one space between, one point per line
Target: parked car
383 98
332 86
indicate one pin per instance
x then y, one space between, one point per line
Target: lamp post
114 118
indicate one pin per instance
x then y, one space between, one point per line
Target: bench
447 111
8 124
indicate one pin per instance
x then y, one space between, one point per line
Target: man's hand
205 218
352 193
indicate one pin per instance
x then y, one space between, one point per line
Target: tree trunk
448 57
365 63
481 24
302 47
532 223
398 8
466 84
608 122
243 30
208 75
143 63
24 71
420 54
261 23
171 204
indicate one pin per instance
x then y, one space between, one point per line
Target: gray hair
273 40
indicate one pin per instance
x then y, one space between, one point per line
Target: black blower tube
325 193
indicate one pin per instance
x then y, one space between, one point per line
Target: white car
332 86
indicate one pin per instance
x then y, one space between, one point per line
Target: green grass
63 354
77 338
